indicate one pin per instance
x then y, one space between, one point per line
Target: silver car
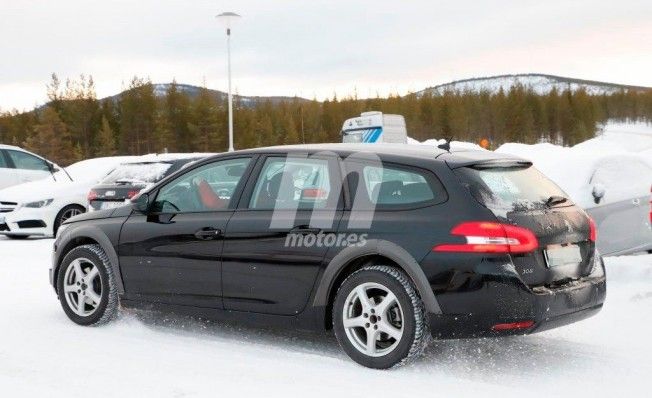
623 224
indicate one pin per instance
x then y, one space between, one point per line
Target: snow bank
621 137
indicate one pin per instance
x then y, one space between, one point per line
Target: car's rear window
149 172
510 188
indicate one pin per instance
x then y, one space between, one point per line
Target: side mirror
141 203
598 193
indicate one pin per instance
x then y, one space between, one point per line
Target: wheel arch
376 252
83 236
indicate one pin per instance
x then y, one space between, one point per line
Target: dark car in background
128 179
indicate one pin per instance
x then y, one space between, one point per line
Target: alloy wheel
83 287
373 319
70 213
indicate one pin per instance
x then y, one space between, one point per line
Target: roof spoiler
501 163
480 164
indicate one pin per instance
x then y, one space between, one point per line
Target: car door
622 214
275 242
623 226
172 254
28 167
7 172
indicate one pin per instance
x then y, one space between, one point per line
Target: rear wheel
86 286
65 214
379 319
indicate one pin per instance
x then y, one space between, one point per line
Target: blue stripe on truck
372 135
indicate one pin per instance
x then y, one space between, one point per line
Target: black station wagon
387 245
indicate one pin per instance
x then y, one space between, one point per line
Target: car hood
45 189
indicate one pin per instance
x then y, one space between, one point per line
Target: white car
18 166
38 208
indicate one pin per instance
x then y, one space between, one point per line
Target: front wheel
86 286
379 319
65 214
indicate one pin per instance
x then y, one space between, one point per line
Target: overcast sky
315 48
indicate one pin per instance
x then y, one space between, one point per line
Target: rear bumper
507 300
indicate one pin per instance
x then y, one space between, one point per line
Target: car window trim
236 193
428 174
248 191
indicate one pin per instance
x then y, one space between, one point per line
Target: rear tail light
491 237
131 194
92 195
501 327
593 230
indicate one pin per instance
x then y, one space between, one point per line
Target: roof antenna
446 146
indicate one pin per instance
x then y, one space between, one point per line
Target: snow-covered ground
42 353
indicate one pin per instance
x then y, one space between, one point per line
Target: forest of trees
75 125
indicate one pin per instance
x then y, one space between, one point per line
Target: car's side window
3 161
26 161
390 186
204 189
294 183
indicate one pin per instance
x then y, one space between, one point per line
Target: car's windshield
511 188
147 172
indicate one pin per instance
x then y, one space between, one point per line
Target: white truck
375 127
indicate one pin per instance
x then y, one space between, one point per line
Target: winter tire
86 286
379 319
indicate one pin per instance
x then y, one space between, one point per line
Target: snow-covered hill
540 83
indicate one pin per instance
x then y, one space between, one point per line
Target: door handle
305 230
208 233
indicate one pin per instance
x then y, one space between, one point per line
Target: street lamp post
228 19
